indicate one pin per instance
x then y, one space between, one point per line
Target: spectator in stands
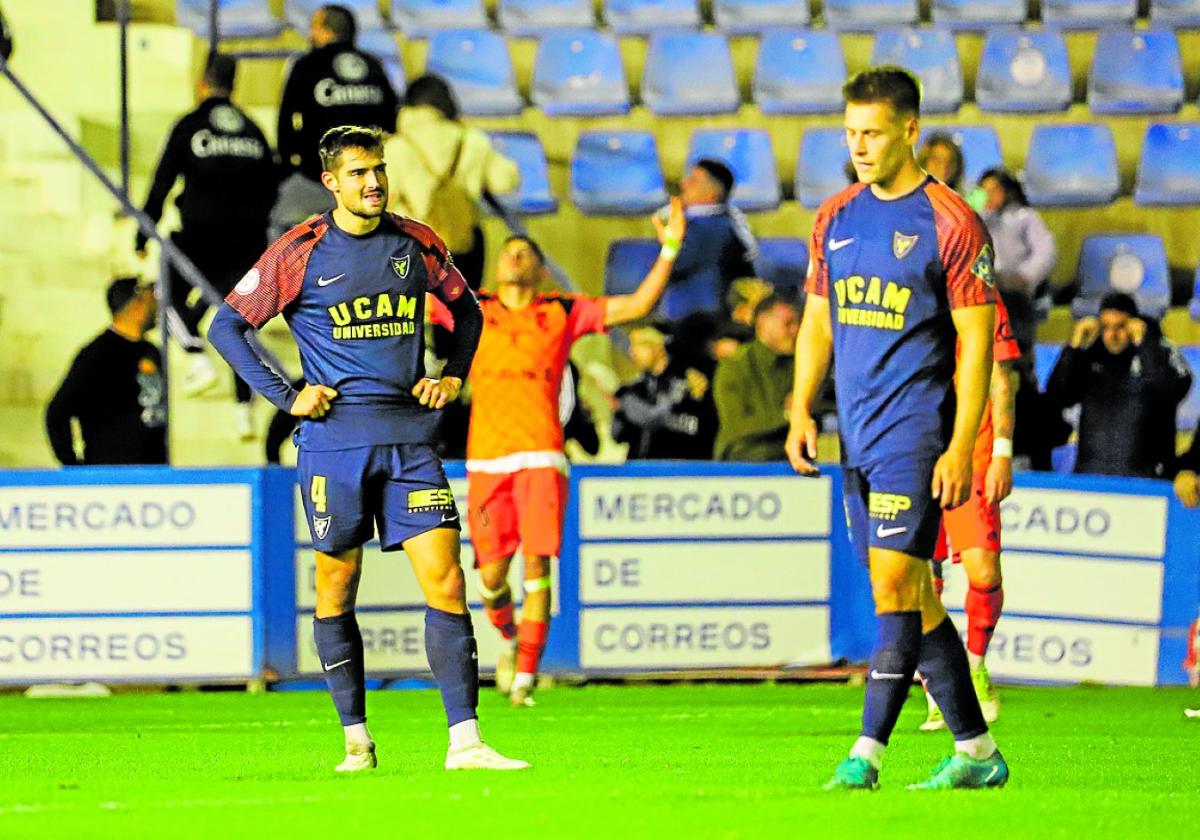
1025 252
941 157
448 168
229 183
753 387
332 84
668 411
1128 384
718 247
114 389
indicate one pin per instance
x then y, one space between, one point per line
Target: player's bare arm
952 472
1003 391
313 402
435 393
621 309
814 350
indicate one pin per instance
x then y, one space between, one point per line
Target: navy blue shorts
398 488
889 505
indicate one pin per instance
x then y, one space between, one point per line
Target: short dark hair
942 138
528 240
340 21
770 302
1120 302
121 291
893 85
432 89
720 172
337 140
220 71
1014 193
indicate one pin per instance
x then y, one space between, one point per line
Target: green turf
609 761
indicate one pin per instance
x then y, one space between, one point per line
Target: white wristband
669 250
1002 448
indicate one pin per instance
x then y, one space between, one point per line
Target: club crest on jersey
902 243
400 265
983 267
321 526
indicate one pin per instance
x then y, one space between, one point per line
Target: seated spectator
1025 252
941 157
668 412
114 388
1128 385
717 248
753 387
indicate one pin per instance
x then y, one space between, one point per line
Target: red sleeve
1004 346
965 249
276 278
586 316
816 282
444 279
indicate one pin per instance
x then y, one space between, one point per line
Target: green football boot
854 773
962 771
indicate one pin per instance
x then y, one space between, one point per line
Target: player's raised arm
623 308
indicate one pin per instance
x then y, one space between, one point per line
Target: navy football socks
340 646
893 664
948 678
450 646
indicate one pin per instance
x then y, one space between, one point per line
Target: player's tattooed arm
814 351
952 473
1003 392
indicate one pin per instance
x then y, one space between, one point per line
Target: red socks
983 611
531 642
502 619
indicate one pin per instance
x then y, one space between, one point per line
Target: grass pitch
623 761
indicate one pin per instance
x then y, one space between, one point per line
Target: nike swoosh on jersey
321 281
839 244
882 532
879 675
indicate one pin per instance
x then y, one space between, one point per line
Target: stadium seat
1045 357
931 54
821 170
867 15
980 147
1188 413
533 196
382 44
1194 304
617 173
783 262
478 66
643 17
1071 165
579 73
421 18
1136 72
627 263
236 18
689 73
366 13
753 17
799 71
748 154
1088 14
534 17
1132 263
977 14
1025 71
1169 168
1175 13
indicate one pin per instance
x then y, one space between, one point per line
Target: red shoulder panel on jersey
444 279
817 280
964 246
276 278
1004 345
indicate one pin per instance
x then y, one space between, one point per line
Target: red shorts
522 509
973 524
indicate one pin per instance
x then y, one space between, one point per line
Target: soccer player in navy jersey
351 284
900 267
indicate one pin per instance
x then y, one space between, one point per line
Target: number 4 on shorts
316 493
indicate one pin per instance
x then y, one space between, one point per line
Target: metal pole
213 25
123 28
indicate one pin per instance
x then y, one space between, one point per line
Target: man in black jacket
229 184
1128 385
114 388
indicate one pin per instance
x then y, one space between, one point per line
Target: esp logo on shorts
888 505
438 498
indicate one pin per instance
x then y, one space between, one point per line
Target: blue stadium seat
783 262
930 53
1132 263
533 17
1169 168
1071 165
689 73
643 17
980 147
533 196
799 71
627 263
867 15
748 153
821 170
1136 72
1194 303
300 12
477 65
977 14
420 18
1188 413
1175 13
1024 71
1088 14
1045 357
753 17
579 73
382 44
617 173
236 18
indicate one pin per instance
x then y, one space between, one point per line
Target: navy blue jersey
892 272
356 306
